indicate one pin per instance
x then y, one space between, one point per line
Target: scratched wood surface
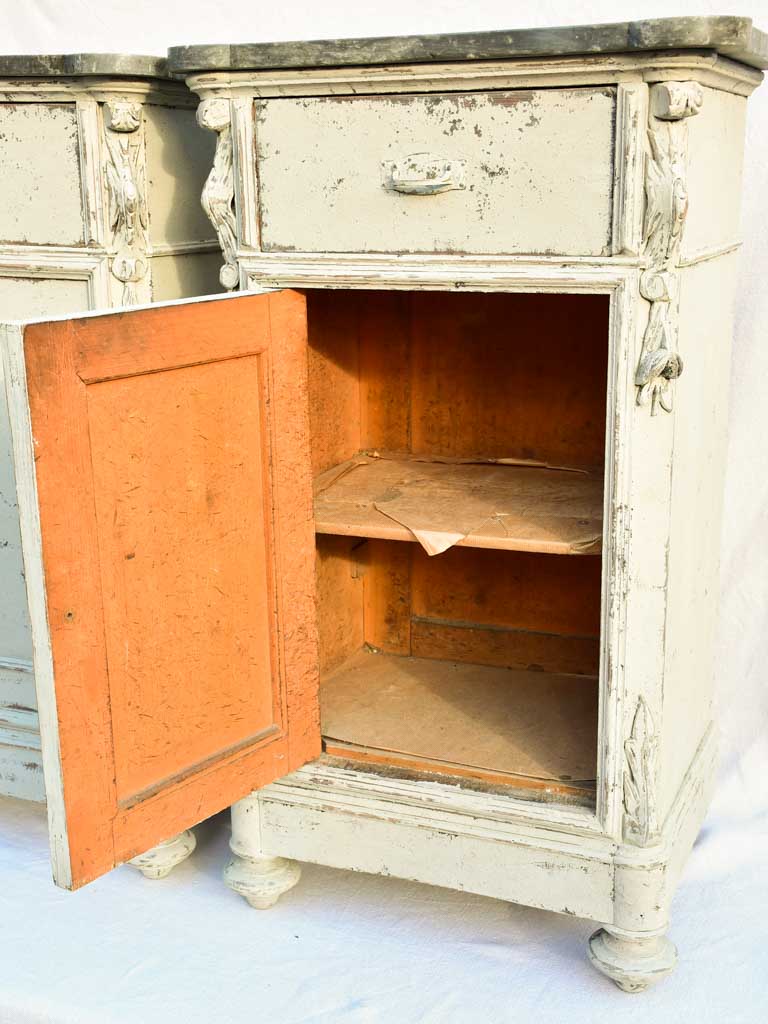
439 504
175 507
498 724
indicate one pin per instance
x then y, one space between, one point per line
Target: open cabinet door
162 460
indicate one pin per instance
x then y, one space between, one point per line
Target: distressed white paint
218 194
259 878
631 118
632 962
160 861
537 171
705 323
20 761
714 166
15 379
618 865
521 73
20 764
41 200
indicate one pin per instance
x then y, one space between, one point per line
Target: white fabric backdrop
360 949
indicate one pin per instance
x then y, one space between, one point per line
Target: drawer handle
422 174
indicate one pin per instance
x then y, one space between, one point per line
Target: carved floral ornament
218 198
126 194
666 206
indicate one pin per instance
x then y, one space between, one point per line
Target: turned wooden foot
256 876
261 881
163 858
633 962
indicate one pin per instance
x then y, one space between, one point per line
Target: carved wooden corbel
218 198
126 194
666 206
640 751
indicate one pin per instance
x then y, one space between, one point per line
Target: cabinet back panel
469 375
508 609
508 590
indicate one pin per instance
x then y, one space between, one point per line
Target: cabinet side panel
701 400
713 176
179 157
40 201
184 274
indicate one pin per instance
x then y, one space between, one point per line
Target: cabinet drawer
523 171
40 199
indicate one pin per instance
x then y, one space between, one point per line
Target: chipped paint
523 152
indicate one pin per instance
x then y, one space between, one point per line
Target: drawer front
40 198
523 171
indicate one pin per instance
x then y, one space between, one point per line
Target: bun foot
163 858
633 962
261 880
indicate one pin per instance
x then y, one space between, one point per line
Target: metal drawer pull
422 174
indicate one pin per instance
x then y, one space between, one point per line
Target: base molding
422 832
21 764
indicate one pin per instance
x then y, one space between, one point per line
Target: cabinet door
164 481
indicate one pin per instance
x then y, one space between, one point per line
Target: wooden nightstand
416 560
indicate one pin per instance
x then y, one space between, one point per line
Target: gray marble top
62 65
730 36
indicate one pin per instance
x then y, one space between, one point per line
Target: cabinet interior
458 448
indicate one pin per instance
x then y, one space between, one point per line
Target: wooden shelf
531 730
513 507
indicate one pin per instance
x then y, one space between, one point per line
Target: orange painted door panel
174 494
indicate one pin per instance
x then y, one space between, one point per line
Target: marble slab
74 65
729 36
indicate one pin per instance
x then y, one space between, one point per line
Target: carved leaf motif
657 200
218 196
640 751
125 179
666 206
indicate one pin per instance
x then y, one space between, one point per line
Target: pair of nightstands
410 556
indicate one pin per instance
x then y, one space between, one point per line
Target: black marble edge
80 65
730 36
